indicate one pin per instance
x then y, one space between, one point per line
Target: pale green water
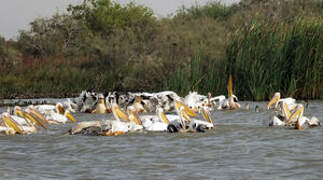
242 146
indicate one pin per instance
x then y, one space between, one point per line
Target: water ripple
241 146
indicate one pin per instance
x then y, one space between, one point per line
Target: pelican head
101 101
100 96
100 106
133 115
273 100
138 104
297 116
161 115
9 122
60 108
18 111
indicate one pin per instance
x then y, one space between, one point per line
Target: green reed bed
283 56
200 75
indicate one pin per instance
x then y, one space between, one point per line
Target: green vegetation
285 56
101 45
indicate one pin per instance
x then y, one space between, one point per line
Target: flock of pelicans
128 113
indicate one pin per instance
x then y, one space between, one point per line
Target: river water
241 146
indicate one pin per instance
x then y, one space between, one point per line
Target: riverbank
267 47
41 96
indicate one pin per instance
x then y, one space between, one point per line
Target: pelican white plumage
194 100
21 125
281 117
48 108
4 130
135 123
100 106
293 119
180 125
156 123
220 101
57 118
165 99
69 105
138 104
186 124
208 123
112 127
55 114
276 99
86 101
8 126
301 121
119 127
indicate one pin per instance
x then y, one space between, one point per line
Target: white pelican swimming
119 127
147 101
55 114
213 101
208 123
196 101
290 102
86 101
181 124
57 118
138 104
300 121
113 127
69 105
48 108
232 101
281 117
6 125
220 99
194 122
186 124
21 122
156 123
295 119
100 106
91 128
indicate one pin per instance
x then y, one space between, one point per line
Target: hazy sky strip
16 15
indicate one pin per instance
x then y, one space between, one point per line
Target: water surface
241 146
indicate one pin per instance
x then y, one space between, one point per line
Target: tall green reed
282 56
